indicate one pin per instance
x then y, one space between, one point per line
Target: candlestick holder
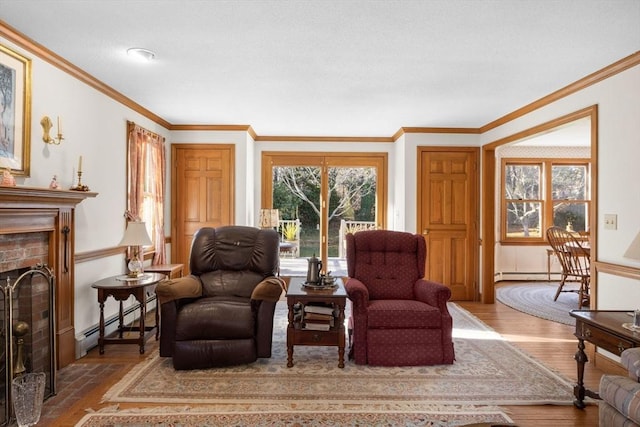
80 186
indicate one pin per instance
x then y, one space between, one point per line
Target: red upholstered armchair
398 318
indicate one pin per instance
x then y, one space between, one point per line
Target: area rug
205 416
536 299
487 371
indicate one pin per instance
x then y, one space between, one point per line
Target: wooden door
202 193
448 217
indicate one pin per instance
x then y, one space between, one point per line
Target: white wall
94 126
618 171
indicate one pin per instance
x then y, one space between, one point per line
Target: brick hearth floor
74 382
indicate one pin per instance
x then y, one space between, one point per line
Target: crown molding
593 78
45 54
26 43
367 139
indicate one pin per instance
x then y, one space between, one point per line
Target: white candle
80 164
59 127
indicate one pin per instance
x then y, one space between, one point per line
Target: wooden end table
173 271
297 334
602 328
121 288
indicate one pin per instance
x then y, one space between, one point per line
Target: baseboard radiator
88 339
534 276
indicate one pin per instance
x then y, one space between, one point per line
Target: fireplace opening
27 330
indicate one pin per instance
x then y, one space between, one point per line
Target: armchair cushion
407 314
620 405
630 359
623 394
209 319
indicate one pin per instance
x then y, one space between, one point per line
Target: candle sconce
47 124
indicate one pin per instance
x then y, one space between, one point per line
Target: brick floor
72 383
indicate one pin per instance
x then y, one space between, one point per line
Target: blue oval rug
536 299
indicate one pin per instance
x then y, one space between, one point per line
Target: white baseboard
525 276
88 339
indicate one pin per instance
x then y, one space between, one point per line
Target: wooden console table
121 288
297 334
603 329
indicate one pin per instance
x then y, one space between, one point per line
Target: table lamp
269 218
135 236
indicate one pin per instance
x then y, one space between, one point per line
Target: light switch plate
610 221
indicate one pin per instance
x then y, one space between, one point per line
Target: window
145 184
538 194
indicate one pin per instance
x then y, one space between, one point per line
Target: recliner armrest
184 287
358 294
269 289
433 293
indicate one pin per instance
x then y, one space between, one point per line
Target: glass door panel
296 194
352 205
330 195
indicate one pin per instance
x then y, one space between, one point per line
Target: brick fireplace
37 226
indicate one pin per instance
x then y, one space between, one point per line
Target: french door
330 193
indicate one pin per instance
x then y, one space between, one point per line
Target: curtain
140 144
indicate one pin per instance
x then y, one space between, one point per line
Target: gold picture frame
15 112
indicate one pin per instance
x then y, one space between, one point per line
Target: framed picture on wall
15 112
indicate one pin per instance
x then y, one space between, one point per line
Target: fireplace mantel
32 209
34 197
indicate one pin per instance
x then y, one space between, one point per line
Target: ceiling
334 67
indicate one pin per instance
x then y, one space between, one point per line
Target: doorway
330 194
491 196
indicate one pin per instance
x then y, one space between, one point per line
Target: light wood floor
549 342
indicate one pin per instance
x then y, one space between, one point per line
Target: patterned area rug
487 371
536 299
211 416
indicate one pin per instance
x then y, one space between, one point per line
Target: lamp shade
136 234
633 251
269 218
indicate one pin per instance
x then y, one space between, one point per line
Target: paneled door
448 215
202 192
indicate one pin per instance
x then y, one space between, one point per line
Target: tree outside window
538 194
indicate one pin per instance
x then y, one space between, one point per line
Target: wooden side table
604 329
299 296
121 288
173 271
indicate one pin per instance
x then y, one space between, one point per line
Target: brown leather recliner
222 313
